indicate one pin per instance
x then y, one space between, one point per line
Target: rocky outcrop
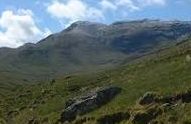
87 103
184 97
151 106
154 105
151 97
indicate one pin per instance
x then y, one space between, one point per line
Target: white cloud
19 28
70 11
152 2
128 4
108 5
134 5
74 10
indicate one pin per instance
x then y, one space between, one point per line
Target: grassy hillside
166 72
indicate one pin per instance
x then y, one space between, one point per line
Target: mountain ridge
89 46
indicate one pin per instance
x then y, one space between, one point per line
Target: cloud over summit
73 10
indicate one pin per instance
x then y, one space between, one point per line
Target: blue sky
23 21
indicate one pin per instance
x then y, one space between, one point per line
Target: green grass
165 72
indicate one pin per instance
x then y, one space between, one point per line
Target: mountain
154 89
87 46
136 72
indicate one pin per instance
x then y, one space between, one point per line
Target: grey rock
87 103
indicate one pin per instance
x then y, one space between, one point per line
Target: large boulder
87 103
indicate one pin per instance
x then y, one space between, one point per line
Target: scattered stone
114 118
85 104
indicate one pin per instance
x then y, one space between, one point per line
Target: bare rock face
85 104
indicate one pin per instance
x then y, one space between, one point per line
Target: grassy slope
166 72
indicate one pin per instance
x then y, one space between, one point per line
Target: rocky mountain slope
87 46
